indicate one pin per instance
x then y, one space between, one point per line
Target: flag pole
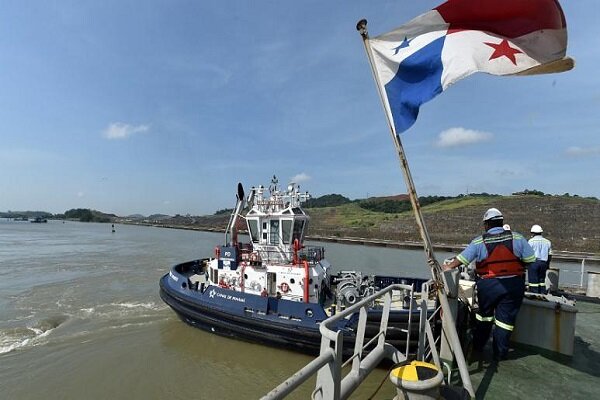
449 326
412 192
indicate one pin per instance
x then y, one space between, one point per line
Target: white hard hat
492 213
536 229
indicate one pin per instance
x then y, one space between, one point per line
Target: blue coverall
499 298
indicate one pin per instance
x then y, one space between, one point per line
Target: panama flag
422 58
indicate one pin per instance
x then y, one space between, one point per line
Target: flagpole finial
361 27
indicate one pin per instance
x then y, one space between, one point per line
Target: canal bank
564 256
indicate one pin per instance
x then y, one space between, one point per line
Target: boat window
274 232
298 227
253 227
286 230
297 210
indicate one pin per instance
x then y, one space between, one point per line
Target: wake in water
19 337
122 310
82 321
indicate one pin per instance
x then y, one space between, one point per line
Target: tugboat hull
270 321
268 332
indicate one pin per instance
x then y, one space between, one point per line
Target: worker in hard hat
536 271
500 256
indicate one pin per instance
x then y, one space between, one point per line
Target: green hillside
572 223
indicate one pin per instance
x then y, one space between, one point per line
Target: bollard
552 279
417 381
593 284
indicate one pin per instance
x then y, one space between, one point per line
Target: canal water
81 318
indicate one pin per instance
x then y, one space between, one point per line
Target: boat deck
528 373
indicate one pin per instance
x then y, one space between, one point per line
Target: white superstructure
275 262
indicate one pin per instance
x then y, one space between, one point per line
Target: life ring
284 287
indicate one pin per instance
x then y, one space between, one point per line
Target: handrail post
409 325
385 314
330 376
422 322
360 338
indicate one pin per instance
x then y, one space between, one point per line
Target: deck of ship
528 372
533 374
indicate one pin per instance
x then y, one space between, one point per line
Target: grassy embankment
572 223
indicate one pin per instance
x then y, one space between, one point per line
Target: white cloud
119 130
461 136
301 177
576 151
80 194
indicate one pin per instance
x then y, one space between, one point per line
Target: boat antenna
273 186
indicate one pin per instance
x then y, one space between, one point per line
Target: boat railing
312 254
331 385
274 254
329 364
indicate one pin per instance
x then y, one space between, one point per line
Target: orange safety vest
501 261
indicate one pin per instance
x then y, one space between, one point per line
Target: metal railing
280 254
331 385
582 271
329 364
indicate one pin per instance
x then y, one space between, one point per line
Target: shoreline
566 256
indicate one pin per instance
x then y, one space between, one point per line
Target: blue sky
163 106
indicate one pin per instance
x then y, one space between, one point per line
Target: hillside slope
572 223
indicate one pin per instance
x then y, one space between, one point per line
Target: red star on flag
503 49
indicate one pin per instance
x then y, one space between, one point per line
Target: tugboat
275 289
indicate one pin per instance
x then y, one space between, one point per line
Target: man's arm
465 257
524 249
453 264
